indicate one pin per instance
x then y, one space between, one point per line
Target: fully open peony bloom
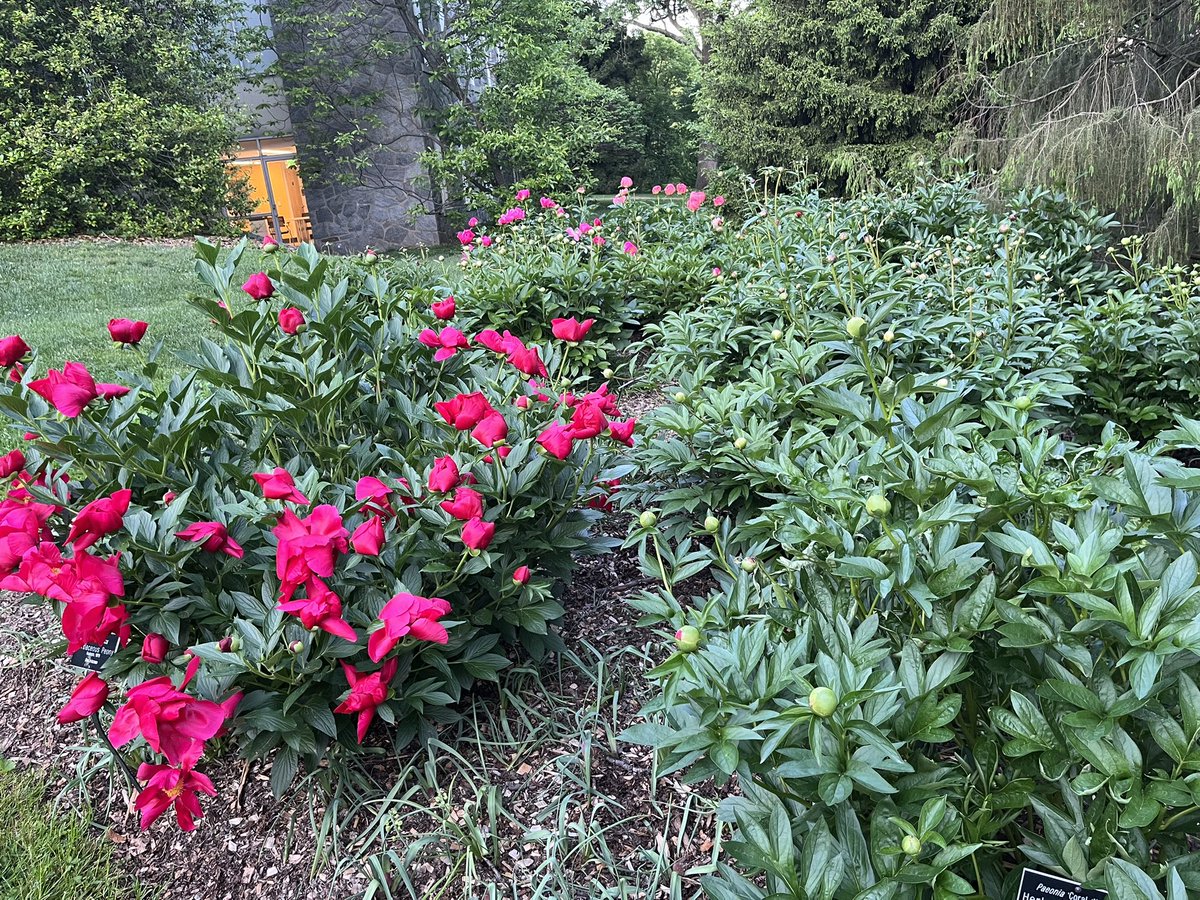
155 648
626 182
322 609
718 200
259 286
290 319
408 614
571 329
88 697
522 195
444 475
127 331
466 236
477 534
167 786
68 391
367 539
630 248
557 440
170 720
213 537
695 200
367 693
465 411
308 547
444 309
467 504
448 341
21 529
12 349
99 518
278 484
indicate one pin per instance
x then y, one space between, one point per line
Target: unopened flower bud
687 638
822 701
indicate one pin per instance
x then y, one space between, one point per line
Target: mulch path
250 845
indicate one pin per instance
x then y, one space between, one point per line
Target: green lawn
48 856
59 298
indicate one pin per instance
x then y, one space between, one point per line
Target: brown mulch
250 845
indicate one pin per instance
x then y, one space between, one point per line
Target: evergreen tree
851 90
1100 98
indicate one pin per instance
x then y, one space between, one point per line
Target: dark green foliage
112 117
849 90
661 79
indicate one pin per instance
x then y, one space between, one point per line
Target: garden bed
564 770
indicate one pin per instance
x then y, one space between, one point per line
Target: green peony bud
856 327
608 373
889 336
740 443
711 524
687 638
777 335
911 845
822 701
647 519
878 506
1023 403
680 397
749 564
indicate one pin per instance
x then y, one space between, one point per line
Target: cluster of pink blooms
90 586
588 228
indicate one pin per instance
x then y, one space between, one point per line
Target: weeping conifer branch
1098 97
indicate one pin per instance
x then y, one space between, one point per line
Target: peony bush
343 513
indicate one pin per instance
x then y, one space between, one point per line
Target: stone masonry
388 204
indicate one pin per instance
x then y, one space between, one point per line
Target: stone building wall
388 206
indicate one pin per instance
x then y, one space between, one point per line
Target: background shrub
115 118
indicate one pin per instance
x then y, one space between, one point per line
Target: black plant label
92 657
1040 886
